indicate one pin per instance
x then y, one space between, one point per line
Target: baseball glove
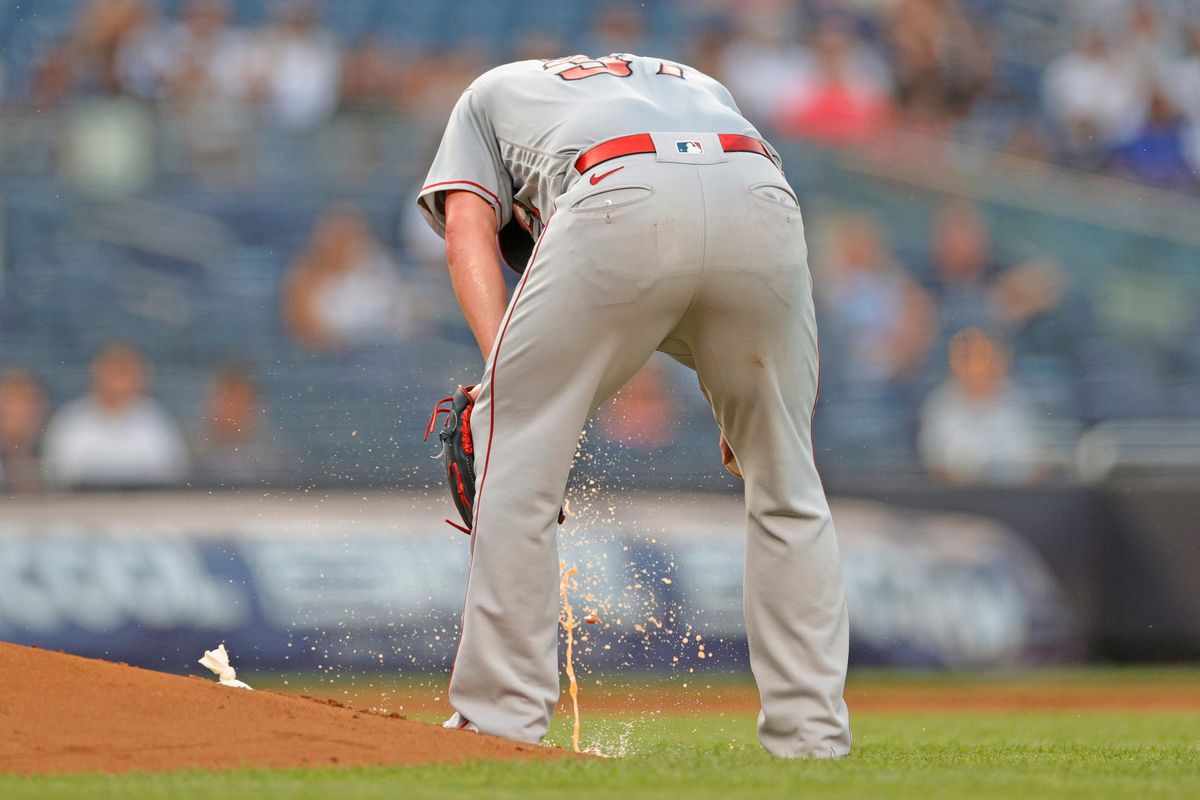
458 447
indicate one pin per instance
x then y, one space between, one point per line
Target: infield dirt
61 713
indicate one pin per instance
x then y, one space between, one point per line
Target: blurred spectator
942 61
863 64
297 66
419 241
618 28
238 445
116 435
939 64
1157 153
969 284
344 289
1094 97
198 58
761 62
1182 80
963 267
641 416
431 289
22 415
373 74
1147 45
53 76
883 319
1182 84
540 46
841 95
102 27
436 80
978 427
707 47
199 66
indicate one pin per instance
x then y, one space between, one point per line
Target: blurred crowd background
212 272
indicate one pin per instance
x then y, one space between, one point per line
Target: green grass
1018 756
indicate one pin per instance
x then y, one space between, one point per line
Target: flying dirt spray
569 624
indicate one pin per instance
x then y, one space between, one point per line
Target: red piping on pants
491 437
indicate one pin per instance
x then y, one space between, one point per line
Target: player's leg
589 313
752 334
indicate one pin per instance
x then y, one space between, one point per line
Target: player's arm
475 269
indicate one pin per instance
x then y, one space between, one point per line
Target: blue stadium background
188 261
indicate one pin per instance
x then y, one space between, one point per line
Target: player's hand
728 459
474 391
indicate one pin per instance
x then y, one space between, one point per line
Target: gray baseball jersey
689 243
516 130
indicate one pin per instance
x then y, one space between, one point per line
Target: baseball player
663 222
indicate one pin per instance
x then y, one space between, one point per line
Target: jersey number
586 67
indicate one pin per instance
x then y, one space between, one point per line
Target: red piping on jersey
639 143
489 192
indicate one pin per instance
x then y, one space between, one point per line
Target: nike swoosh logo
597 178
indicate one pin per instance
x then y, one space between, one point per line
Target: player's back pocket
612 198
776 195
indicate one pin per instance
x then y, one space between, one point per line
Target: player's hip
652 219
640 191
735 183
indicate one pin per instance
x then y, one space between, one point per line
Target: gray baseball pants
705 260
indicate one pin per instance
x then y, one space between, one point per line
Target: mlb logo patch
690 148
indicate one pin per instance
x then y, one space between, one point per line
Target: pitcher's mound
62 713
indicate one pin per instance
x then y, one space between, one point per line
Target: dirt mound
62 713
